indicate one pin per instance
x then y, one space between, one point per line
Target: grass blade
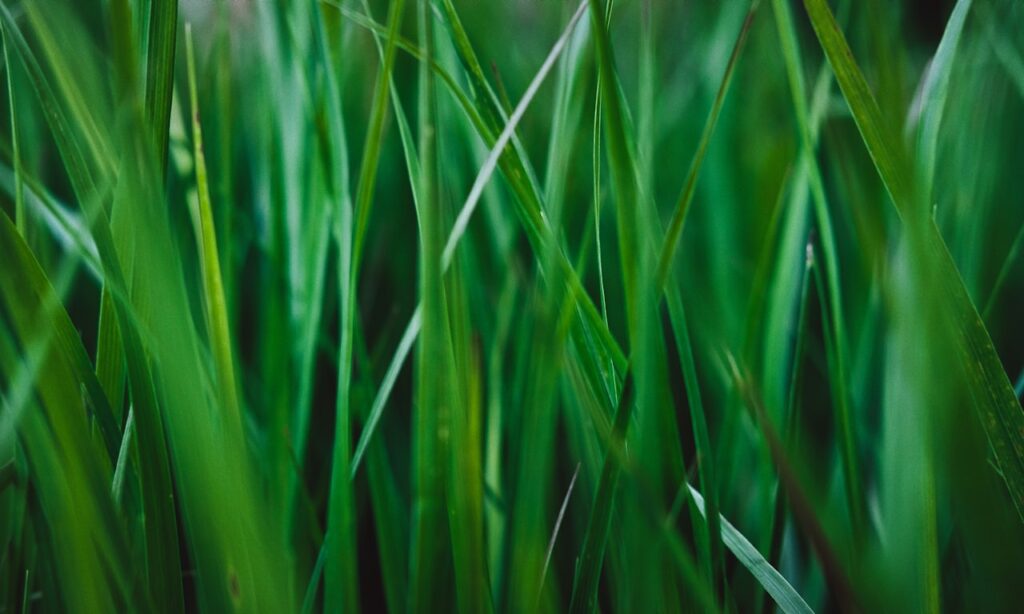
412 330
213 286
782 592
998 406
163 30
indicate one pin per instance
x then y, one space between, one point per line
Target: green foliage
308 306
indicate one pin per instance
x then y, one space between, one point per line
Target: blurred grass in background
357 305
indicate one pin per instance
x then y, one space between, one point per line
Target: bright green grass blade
161 531
309 241
465 494
1000 410
514 166
884 150
914 401
75 494
74 160
213 287
587 578
558 526
121 466
774 583
309 600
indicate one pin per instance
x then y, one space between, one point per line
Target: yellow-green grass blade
992 393
29 295
161 530
51 386
213 287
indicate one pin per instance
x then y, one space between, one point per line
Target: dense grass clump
515 306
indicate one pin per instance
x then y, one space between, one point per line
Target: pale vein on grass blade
412 330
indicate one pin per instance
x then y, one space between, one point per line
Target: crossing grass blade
999 409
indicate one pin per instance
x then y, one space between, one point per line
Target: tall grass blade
213 286
999 408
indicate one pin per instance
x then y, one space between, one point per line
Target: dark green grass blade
675 226
433 369
838 358
341 570
589 570
935 92
709 531
999 408
803 512
163 30
498 151
374 137
19 189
